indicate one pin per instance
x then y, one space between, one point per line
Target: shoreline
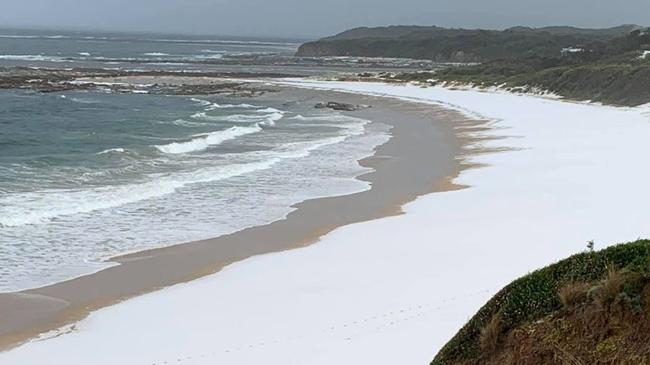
412 279
415 144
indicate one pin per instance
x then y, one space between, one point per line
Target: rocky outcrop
178 83
340 106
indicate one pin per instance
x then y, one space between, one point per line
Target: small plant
606 347
590 245
490 334
573 293
611 286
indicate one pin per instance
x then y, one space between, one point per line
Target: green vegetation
608 81
459 45
589 306
611 66
613 72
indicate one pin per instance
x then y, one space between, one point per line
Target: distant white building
571 50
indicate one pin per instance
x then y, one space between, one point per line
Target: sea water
123 50
85 176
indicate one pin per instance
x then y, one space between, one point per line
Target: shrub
611 286
490 334
573 293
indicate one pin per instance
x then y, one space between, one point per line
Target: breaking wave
204 141
43 206
112 150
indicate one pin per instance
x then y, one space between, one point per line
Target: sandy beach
426 152
324 183
394 290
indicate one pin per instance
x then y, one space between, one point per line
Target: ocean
85 176
144 51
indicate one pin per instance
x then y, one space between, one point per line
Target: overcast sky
312 18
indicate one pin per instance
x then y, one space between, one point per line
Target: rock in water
340 106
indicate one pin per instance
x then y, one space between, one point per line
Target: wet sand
423 156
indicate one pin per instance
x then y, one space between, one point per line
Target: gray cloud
311 18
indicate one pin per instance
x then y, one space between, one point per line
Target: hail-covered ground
394 290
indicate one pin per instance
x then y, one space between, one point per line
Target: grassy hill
616 71
592 308
457 45
614 81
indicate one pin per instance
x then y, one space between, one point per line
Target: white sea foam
107 207
201 102
213 106
270 119
12 57
267 120
272 114
33 36
216 41
205 116
18 36
84 100
44 206
354 125
209 57
235 118
162 40
156 54
41 207
204 141
186 123
112 150
268 110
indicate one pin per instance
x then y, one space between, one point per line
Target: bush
612 81
611 285
490 334
573 293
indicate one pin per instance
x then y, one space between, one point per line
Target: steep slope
592 308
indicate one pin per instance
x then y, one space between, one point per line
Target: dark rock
340 106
